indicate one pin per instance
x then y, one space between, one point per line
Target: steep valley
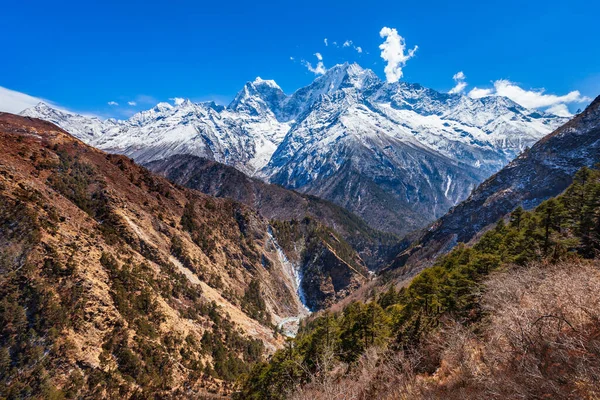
115 281
274 202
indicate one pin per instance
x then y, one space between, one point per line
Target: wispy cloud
534 98
132 103
348 43
113 103
14 102
177 100
326 42
319 69
460 86
393 51
559 109
477 93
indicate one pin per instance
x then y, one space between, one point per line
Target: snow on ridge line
249 137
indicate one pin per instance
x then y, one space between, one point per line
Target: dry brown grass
541 340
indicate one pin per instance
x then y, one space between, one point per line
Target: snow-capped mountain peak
343 76
162 107
84 127
411 151
267 82
258 97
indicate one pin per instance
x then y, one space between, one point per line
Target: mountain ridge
345 122
541 172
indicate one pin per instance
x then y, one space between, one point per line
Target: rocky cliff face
539 173
328 267
116 281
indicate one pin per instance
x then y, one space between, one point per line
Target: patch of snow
449 182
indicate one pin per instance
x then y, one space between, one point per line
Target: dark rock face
326 278
539 173
403 193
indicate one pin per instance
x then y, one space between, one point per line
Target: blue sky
82 55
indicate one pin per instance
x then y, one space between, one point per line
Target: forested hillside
514 315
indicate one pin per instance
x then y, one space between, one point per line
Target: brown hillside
115 282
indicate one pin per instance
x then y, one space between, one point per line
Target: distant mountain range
397 154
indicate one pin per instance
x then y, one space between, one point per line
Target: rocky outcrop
327 278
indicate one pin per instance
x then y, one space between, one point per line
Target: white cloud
460 86
325 41
555 104
477 93
177 100
335 44
132 103
350 43
535 98
319 69
392 51
559 109
14 102
292 58
459 76
113 103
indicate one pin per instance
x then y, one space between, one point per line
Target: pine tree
388 298
551 214
515 217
